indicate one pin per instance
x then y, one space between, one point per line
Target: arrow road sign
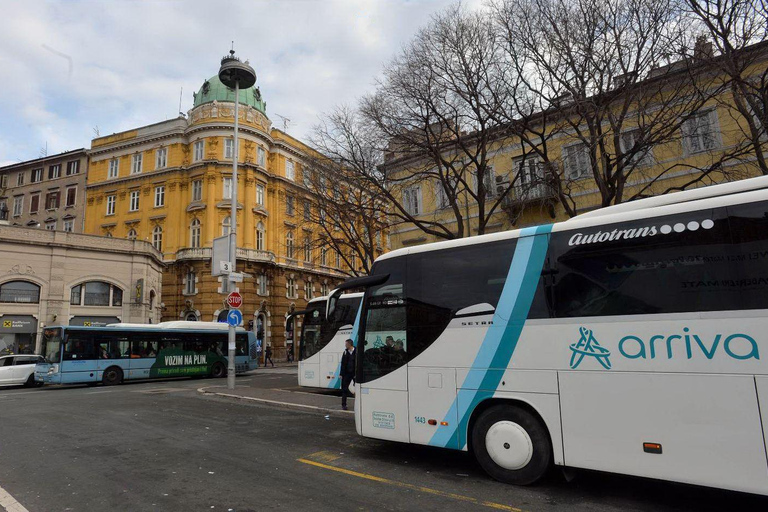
234 317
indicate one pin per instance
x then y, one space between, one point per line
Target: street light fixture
234 74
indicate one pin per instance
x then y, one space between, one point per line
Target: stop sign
234 300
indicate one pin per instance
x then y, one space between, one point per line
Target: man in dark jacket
347 371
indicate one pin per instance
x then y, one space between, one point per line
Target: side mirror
330 305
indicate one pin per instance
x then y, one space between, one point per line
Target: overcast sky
67 67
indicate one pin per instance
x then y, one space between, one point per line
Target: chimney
702 50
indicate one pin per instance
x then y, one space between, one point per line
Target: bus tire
218 370
512 445
112 375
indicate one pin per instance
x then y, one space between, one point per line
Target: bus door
382 401
79 359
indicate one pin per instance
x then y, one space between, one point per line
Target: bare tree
737 31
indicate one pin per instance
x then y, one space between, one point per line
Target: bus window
749 232
79 346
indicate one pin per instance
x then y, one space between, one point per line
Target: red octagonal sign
234 300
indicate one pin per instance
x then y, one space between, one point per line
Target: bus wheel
218 371
112 375
511 445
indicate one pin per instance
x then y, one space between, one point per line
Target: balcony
533 192
204 253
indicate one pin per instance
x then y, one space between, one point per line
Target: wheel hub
509 445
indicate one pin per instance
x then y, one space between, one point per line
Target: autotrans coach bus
632 339
322 341
121 352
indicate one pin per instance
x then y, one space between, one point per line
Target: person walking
268 356
347 371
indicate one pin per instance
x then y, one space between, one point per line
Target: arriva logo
588 346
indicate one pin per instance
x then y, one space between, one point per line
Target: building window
338 259
18 205
161 158
229 147
293 289
199 148
226 224
289 201
306 177
309 290
22 292
114 166
157 238
20 179
136 163
489 182
34 203
263 281
290 170
529 171
576 161
197 190
700 132
71 196
110 205
227 188
194 233
307 210
134 201
37 175
54 171
96 293
132 234
307 250
189 288
260 195
69 225
261 157
324 256
73 167
50 225
159 196
289 245
640 157
260 236
352 261
4 181
412 200
52 200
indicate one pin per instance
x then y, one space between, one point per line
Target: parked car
19 369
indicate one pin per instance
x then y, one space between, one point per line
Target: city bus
322 341
632 340
120 352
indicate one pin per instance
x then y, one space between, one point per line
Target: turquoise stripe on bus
336 381
500 339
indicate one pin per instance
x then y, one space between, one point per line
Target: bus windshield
312 328
52 345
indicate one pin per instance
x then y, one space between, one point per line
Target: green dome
214 90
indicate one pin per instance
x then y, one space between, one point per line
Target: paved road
163 446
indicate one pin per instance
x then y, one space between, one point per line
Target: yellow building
710 144
170 183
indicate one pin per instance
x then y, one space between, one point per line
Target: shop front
18 334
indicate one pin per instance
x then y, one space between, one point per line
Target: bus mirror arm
350 284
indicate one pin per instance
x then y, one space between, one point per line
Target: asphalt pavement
175 445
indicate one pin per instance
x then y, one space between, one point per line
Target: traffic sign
225 267
234 300
236 277
234 317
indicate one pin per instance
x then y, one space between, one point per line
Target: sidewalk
299 400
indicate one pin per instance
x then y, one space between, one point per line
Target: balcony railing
205 253
531 192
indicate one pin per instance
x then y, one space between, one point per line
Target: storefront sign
18 324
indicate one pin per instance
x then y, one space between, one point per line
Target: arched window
20 292
260 236
96 293
289 245
132 234
157 238
191 317
225 225
194 233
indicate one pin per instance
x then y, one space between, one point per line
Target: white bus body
633 342
322 342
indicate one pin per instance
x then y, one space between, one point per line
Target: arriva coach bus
632 339
322 340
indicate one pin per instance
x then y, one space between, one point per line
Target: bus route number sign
234 300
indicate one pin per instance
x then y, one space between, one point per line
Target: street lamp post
234 74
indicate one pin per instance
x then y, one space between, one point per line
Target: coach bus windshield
312 329
52 345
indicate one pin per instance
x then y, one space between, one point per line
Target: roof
213 90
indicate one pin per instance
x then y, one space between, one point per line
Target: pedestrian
290 352
268 356
347 371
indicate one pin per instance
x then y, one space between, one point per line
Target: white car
18 369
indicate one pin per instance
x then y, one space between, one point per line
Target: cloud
67 67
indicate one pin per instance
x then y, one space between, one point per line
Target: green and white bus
120 352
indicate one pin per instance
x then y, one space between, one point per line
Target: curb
287 405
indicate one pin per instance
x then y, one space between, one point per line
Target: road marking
275 402
324 456
9 503
403 485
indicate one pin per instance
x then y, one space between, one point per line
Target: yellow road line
324 456
427 490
